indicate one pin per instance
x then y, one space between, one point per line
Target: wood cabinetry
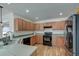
39 26
22 25
32 27
59 25
39 38
33 40
18 24
59 41
48 24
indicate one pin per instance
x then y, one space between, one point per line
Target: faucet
10 34
9 37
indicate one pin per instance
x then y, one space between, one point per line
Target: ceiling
42 11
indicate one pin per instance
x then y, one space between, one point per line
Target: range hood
47 27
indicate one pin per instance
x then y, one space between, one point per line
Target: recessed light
36 17
60 13
8 3
27 11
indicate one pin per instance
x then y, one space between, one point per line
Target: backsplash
23 33
62 32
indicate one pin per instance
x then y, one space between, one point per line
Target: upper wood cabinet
18 24
59 25
32 26
39 26
22 25
48 24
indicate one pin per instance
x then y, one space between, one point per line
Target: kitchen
24 35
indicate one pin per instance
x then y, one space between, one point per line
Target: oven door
47 40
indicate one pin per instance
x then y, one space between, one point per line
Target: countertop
17 50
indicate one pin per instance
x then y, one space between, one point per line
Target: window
5 30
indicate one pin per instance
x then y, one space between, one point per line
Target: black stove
47 38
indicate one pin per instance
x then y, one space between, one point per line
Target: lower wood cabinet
33 40
37 39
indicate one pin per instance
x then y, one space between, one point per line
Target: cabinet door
59 25
31 26
28 26
55 26
39 38
48 24
63 25
41 27
24 25
37 27
16 24
33 40
20 24
52 24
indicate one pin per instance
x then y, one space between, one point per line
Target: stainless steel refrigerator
75 19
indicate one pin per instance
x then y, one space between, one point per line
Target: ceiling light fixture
27 11
8 3
60 13
36 17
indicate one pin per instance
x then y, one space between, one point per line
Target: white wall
8 18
